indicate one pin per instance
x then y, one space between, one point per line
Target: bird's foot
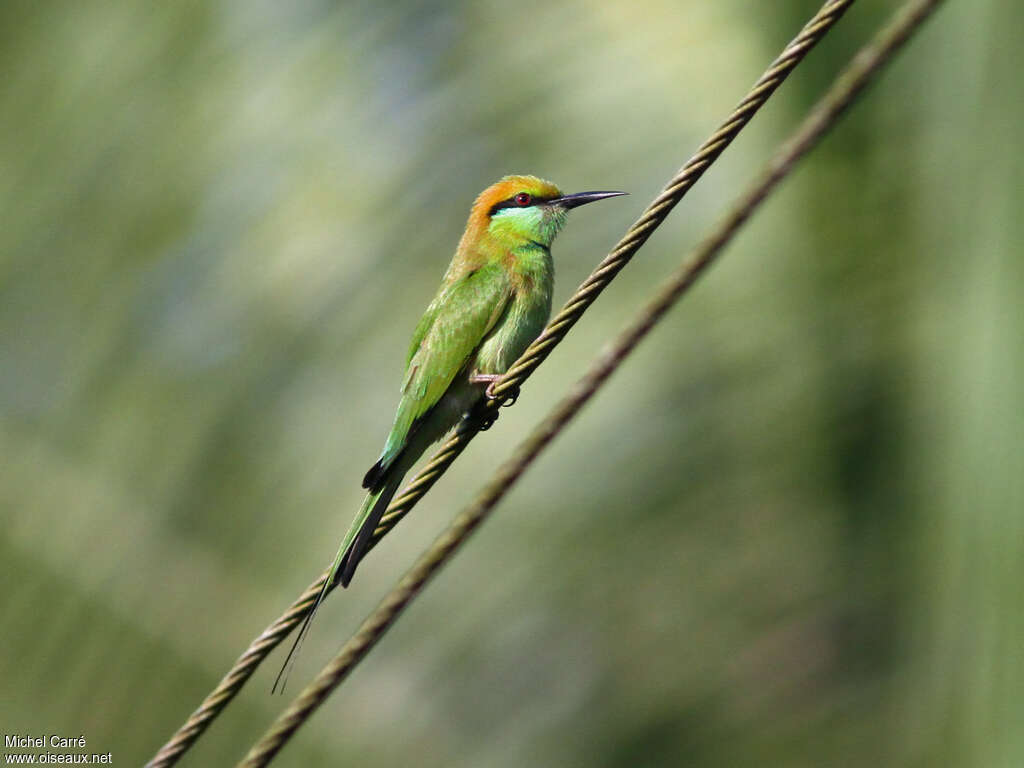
492 380
507 399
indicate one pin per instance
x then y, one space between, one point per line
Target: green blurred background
789 532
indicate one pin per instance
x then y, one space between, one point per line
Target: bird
493 301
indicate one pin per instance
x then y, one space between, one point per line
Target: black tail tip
345 572
372 479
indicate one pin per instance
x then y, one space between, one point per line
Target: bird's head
521 209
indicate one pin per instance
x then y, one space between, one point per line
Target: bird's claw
506 400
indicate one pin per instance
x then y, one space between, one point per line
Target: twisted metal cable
812 32
847 87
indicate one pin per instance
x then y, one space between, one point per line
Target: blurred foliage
789 532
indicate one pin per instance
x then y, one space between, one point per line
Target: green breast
528 311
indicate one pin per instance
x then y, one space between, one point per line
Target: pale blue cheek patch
535 222
517 219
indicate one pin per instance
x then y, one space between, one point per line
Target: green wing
451 330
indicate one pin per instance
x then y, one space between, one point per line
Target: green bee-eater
493 301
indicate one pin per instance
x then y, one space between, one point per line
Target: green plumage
493 301
462 315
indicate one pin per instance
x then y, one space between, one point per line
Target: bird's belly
459 398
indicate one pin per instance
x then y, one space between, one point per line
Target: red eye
523 199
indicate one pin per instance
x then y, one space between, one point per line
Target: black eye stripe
511 203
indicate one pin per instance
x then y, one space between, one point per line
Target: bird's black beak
582 198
